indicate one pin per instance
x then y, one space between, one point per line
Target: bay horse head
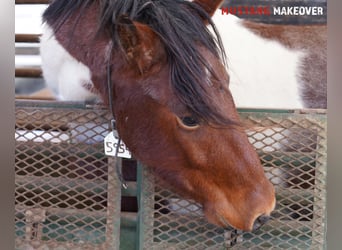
172 104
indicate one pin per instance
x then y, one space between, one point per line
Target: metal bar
28 72
90 105
282 111
52 243
63 212
59 105
32 1
32 50
145 197
113 206
140 233
131 190
128 219
320 199
27 38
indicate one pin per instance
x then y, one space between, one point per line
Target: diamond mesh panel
292 148
67 195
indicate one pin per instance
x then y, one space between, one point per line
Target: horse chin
219 219
222 221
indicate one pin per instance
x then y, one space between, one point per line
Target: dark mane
180 26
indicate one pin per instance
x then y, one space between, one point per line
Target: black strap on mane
118 166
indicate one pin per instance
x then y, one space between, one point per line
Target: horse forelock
181 26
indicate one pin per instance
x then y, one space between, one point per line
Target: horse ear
140 44
210 6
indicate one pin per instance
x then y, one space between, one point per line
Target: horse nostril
261 220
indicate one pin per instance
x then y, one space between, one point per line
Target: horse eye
189 121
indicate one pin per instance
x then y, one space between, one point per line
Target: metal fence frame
51 116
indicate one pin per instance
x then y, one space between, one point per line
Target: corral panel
292 148
67 195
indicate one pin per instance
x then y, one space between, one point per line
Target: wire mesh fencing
68 196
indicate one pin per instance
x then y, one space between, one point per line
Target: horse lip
224 222
260 221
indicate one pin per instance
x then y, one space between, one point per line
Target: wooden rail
27 38
28 72
32 1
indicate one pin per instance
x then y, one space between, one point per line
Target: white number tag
111 145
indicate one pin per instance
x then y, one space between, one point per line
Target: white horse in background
270 66
275 66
